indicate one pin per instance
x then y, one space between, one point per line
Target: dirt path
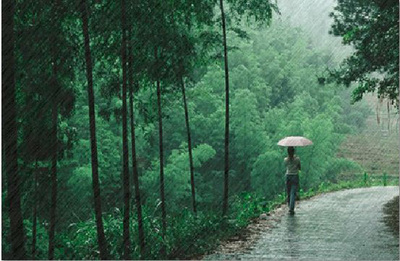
341 225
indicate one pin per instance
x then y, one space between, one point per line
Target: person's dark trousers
292 182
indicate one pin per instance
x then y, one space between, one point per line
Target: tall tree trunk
53 205
34 221
9 136
125 156
388 110
134 160
162 193
92 121
226 170
54 116
189 146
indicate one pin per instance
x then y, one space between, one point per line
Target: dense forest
145 129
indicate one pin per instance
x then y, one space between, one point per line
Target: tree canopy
372 28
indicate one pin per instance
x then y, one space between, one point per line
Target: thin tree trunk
92 121
189 146
9 136
226 170
34 221
162 193
54 116
388 110
53 205
134 160
125 156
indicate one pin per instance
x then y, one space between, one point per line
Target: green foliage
267 174
42 237
384 179
372 28
247 206
365 178
5 228
177 176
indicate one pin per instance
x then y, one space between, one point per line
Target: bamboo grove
147 129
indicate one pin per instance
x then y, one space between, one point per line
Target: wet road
341 225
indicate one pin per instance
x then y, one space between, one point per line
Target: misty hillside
312 16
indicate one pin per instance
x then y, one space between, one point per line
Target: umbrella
294 141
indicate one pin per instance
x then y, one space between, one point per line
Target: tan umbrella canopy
295 141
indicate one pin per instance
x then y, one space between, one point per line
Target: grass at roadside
361 180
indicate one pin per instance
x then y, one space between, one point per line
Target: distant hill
376 148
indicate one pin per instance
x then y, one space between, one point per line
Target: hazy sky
312 16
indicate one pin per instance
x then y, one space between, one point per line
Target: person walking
293 166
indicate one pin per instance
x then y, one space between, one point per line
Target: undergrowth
189 236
